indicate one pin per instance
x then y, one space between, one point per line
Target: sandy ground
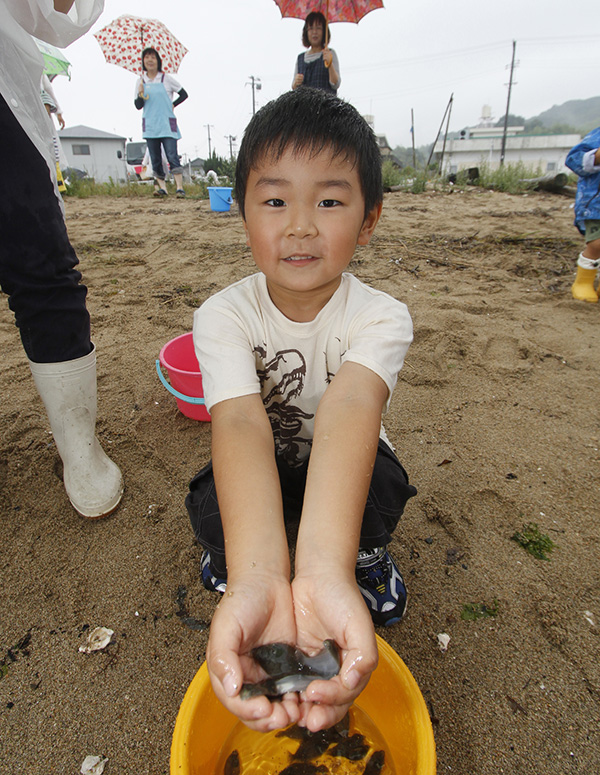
495 417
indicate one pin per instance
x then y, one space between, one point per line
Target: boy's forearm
249 493
339 476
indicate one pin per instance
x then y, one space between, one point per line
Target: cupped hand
327 605
255 609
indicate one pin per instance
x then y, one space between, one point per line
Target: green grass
507 178
473 611
534 542
87 187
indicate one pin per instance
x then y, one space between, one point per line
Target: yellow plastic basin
392 700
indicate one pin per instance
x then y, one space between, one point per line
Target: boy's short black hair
152 51
315 17
311 120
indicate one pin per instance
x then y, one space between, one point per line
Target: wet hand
327 605
253 611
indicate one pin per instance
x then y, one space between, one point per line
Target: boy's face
304 217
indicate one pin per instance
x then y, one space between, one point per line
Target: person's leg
154 146
388 495
170 146
377 575
203 508
37 271
587 265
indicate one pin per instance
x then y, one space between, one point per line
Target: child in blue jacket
584 160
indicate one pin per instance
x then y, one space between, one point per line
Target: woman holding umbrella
154 93
318 67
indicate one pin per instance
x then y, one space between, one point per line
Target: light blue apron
159 119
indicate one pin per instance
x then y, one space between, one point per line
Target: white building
483 145
100 154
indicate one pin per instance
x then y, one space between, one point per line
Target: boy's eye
329 203
276 202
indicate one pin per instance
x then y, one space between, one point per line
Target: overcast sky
410 54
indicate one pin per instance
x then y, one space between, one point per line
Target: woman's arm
331 60
183 95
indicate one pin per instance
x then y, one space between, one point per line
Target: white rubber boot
68 389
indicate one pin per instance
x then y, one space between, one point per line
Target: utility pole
510 83
448 106
256 85
446 133
232 140
412 134
208 126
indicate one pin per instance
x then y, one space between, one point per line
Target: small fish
335 734
291 670
304 768
312 747
294 732
232 765
354 748
375 763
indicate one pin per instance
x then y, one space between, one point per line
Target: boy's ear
369 224
246 232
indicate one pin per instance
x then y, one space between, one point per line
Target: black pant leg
37 261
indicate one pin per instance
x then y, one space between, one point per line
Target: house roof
88 133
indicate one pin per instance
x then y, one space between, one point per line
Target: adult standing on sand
37 261
154 93
318 67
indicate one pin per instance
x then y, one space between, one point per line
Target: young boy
584 159
299 362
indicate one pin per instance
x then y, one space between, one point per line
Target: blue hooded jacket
587 200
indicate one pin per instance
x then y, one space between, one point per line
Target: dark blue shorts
388 494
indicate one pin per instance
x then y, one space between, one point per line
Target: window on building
80 150
551 166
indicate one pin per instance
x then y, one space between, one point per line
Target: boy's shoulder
358 291
250 288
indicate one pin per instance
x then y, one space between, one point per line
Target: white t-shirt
245 345
169 81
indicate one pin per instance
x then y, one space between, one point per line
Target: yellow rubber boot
583 287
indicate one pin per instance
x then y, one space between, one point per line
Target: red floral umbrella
123 40
332 10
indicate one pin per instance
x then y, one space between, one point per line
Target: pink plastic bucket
179 359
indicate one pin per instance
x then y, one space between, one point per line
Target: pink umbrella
332 10
123 40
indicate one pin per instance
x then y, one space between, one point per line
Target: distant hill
583 115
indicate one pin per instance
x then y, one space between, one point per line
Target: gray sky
410 54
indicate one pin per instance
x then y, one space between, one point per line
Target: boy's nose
301 224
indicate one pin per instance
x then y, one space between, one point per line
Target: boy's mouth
296 259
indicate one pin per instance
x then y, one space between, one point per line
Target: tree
223 167
512 120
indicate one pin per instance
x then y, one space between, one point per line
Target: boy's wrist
330 560
257 573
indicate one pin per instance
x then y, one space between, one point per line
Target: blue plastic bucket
220 198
